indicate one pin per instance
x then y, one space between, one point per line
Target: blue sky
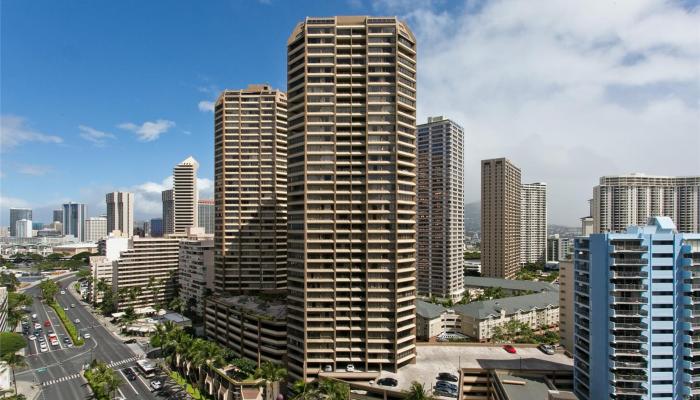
105 95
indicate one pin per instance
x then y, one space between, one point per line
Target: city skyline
155 128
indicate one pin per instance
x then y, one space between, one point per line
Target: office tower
555 250
109 249
533 223
15 215
500 218
351 195
57 216
168 211
636 321
146 226
120 212
205 215
156 227
623 200
566 305
440 209
196 269
23 228
250 190
146 258
95 228
74 215
185 195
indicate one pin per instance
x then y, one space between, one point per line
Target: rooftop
275 308
509 284
429 310
435 358
511 305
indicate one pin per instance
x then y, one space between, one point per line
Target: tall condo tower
441 208
620 201
58 216
74 215
250 192
17 214
500 218
205 215
637 327
533 223
168 222
351 195
120 212
185 195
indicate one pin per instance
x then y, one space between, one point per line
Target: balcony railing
629 364
626 287
629 274
624 325
629 299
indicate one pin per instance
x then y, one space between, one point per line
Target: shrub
68 324
11 342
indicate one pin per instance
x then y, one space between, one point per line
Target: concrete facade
351 195
17 214
500 218
196 271
120 212
185 195
440 209
533 223
23 228
95 228
74 215
168 221
566 305
205 215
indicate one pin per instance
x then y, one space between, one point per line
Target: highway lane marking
59 380
129 382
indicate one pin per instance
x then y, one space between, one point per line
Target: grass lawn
193 391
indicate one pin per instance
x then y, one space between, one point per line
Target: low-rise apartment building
510 287
433 320
253 327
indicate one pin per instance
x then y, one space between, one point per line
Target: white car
87 336
43 347
31 337
156 385
37 325
63 292
65 308
33 315
77 321
350 368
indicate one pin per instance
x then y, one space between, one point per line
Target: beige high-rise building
146 258
185 195
441 209
250 192
351 195
95 228
500 218
196 269
120 212
566 305
624 200
533 223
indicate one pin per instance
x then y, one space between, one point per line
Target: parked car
388 382
350 368
130 341
444 384
445 393
328 368
546 349
446 376
37 326
156 385
86 336
510 349
31 337
43 347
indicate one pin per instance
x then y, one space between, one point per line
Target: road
59 370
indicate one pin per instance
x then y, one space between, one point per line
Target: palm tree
418 392
151 288
14 360
111 381
334 390
272 374
176 304
305 390
101 287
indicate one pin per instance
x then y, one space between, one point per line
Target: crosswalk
121 362
59 380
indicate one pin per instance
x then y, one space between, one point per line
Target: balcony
618 287
628 261
625 325
629 274
630 339
629 364
628 300
638 390
628 352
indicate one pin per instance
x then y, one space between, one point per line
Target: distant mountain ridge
472 222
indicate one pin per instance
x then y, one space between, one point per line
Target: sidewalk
30 389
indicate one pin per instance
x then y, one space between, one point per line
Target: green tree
417 391
334 390
272 374
49 288
11 342
84 273
9 280
15 302
54 257
176 304
152 282
305 390
14 361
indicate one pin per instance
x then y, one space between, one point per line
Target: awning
118 314
145 310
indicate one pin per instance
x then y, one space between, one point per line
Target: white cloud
33 169
9 202
570 91
206 106
14 131
148 131
147 195
98 138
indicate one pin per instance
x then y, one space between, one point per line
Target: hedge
68 324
